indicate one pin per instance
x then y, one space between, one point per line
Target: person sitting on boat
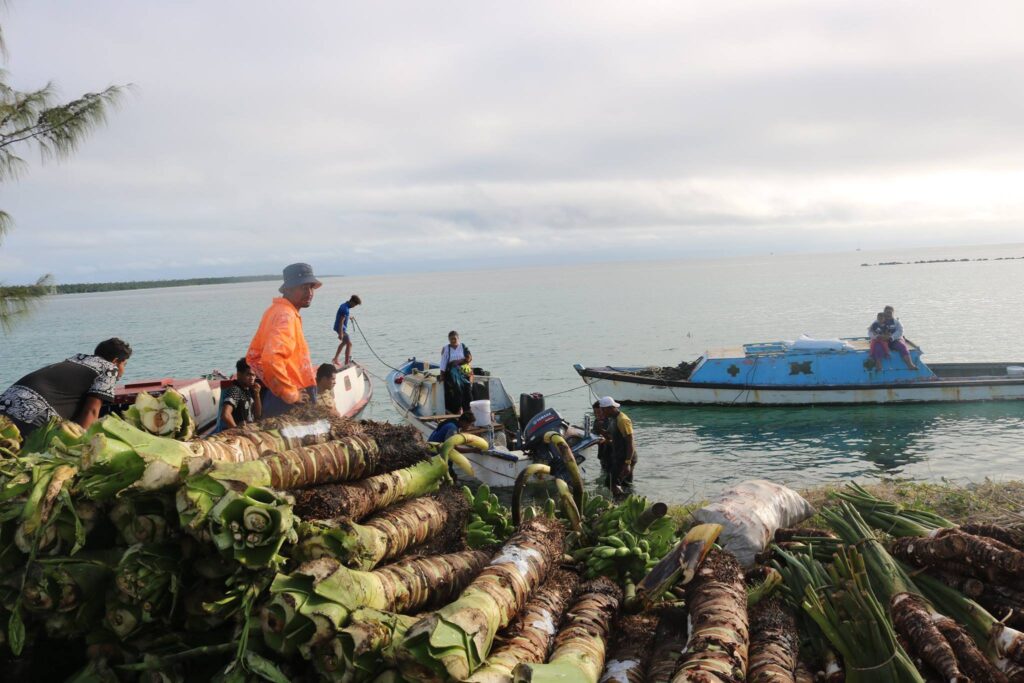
240 403
623 450
895 329
451 427
456 372
73 389
326 378
278 353
879 340
341 319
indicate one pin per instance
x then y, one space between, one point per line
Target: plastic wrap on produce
750 512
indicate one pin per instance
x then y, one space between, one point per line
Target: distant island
84 287
941 260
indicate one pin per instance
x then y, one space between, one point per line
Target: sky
369 137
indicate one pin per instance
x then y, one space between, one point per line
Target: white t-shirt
451 356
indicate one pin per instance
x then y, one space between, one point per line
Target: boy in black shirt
74 389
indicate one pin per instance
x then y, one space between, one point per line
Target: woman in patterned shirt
74 389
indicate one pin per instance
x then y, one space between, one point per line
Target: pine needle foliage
37 120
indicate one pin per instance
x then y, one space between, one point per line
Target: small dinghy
352 392
806 372
515 440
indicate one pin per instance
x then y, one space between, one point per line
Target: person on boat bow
240 403
73 389
895 330
278 353
879 335
341 319
623 449
457 373
451 427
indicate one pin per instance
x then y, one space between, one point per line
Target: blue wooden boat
806 372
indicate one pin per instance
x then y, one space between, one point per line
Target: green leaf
16 632
264 668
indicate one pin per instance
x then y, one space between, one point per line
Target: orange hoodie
278 353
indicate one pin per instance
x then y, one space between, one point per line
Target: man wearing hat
623 450
278 353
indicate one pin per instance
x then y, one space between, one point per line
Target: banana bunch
490 522
625 557
613 544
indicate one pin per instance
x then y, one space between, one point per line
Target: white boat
811 373
418 395
352 392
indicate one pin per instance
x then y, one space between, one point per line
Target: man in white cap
623 450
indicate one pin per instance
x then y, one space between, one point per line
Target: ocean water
529 326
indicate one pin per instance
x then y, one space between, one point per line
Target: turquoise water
530 325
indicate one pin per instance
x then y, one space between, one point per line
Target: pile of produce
302 548
315 548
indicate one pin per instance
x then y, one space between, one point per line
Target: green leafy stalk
166 415
310 605
364 648
119 457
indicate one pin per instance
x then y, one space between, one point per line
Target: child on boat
879 334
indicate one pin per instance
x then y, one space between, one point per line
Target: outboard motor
545 421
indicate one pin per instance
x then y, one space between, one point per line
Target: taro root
457 639
439 519
718 645
774 643
631 649
580 645
529 638
311 604
913 618
359 499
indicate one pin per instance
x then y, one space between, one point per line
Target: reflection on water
687 452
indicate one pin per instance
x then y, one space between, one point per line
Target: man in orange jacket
278 353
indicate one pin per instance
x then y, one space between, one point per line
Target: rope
559 393
387 365
367 342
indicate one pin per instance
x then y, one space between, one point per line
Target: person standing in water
278 353
622 458
456 368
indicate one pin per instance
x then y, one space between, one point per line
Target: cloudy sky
390 136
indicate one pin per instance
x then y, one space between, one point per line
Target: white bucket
481 412
1015 370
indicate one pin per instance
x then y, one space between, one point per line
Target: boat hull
352 390
427 399
626 388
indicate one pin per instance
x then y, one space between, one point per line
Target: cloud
392 135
